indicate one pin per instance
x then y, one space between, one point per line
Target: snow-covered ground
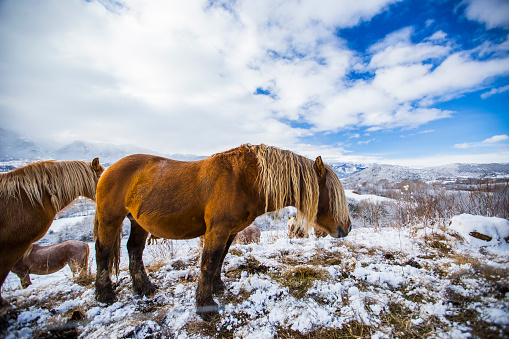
350 194
384 283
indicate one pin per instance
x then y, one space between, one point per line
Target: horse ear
95 164
319 166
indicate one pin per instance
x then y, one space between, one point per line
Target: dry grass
161 252
300 279
399 320
353 329
251 266
215 329
85 278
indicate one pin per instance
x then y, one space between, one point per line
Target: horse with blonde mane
31 196
216 197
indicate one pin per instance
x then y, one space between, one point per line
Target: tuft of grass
353 329
161 253
300 279
251 266
209 329
236 252
85 279
326 258
235 299
478 327
64 331
399 319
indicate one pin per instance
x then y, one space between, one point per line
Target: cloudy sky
389 81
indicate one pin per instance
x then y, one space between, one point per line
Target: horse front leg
9 256
213 250
218 284
135 246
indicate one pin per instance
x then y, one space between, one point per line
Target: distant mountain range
394 173
16 151
345 169
16 148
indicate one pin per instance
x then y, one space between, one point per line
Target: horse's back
176 199
118 179
155 190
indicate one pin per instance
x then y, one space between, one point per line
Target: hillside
393 282
392 173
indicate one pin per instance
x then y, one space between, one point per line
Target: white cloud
182 76
496 139
438 36
494 91
493 13
172 76
397 49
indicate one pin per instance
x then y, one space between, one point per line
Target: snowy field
416 281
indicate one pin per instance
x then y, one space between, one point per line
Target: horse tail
114 261
96 226
85 260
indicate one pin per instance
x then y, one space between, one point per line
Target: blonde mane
290 179
63 181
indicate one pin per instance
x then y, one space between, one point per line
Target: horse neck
69 198
67 195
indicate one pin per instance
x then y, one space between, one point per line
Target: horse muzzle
341 232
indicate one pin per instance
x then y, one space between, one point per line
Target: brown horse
216 197
31 196
249 235
50 259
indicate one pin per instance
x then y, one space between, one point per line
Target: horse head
97 168
332 215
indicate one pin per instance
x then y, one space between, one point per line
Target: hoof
146 289
208 313
106 297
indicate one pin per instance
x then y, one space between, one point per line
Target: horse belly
173 227
45 268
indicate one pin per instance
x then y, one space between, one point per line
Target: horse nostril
341 232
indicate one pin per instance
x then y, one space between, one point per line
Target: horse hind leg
9 256
107 233
135 246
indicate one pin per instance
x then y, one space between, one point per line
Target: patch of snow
366 197
495 228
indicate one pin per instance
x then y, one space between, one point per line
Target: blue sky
388 81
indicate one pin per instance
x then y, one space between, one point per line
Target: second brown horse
216 197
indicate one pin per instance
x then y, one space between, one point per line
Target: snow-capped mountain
399 173
347 169
15 149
